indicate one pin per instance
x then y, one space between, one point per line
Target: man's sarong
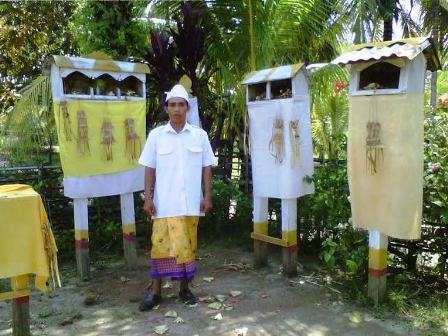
174 244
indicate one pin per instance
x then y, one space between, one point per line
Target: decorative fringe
277 142
294 138
51 251
108 138
374 148
66 121
82 140
133 143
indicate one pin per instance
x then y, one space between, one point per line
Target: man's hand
206 204
149 207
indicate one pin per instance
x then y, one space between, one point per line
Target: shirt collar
169 128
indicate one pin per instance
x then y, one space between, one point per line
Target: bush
231 216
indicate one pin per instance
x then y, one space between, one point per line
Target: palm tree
435 23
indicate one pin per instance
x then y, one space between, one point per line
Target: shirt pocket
194 154
165 156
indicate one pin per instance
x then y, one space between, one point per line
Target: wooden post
20 307
82 237
129 232
377 266
289 234
260 226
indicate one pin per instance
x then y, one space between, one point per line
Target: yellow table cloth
27 245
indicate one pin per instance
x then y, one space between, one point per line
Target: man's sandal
187 297
151 300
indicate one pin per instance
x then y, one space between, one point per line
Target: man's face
177 110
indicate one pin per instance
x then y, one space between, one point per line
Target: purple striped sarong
167 267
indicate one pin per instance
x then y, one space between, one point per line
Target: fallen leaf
171 313
124 279
156 307
227 307
171 295
217 317
193 305
215 305
208 279
240 332
206 299
235 293
356 317
264 296
220 298
161 329
178 320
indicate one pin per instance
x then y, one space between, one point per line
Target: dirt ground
264 303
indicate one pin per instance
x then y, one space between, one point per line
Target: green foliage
113 27
222 224
30 31
330 112
435 191
29 124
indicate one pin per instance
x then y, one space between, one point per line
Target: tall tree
30 31
113 27
435 23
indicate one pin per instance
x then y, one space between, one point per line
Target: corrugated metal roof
83 63
272 74
407 48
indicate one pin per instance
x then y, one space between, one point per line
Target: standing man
177 159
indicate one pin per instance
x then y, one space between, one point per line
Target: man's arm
150 178
206 204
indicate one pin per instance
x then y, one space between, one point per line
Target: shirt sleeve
148 156
208 158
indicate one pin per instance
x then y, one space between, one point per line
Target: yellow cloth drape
27 244
175 237
389 201
95 163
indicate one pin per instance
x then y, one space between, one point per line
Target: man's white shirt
178 159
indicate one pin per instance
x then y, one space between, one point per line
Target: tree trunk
435 36
387 30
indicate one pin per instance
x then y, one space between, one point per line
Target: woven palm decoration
68 132
107 139
374 148
277 142
133 143
82 140
294 138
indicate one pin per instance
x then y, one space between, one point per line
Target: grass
421 303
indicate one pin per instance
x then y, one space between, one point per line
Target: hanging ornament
66 121
108 138
133 143
82 140
277 142
374 148
294 138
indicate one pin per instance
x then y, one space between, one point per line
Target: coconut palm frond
29 124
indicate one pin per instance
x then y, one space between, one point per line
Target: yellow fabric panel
27 245
377 258
389 201
129 228
81 235
290 237
261 228
95 163
175 237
